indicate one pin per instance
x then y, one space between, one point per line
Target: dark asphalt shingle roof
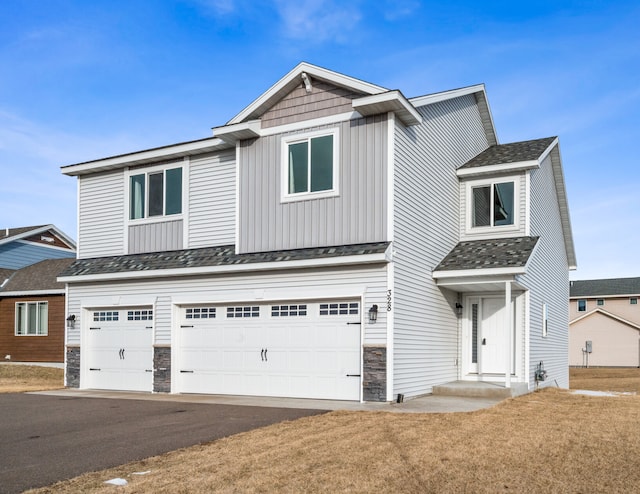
39 276
210 256
17 231
485 254
510 153
612 286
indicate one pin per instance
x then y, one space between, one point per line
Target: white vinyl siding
275 286
212 196
101 215
426 229
548 280
356 215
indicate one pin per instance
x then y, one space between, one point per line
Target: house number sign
388 300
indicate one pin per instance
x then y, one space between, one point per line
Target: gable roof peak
293 79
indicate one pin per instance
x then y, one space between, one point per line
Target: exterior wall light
458 308
71 321
373 313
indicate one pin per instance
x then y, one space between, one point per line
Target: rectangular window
582 305
246 311
288 310
32 319
633 301
600 301
140 315
200 313
545 317
155 194
493 205
339 309
310 164
105 315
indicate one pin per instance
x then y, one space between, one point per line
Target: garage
119 349
285 349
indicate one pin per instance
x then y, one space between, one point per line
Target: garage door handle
93 368
186 326
353 375
262 354
354 323
148 370
186 372
93 328
265 355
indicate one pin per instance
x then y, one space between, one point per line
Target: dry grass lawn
606 379
22 378
548 441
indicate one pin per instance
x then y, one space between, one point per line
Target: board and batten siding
299 105
293 285
490 233
356 215
101 226
426 228
547 279
155 237
212 200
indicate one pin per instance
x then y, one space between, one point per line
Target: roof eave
391 101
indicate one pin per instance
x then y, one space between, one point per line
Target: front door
485 336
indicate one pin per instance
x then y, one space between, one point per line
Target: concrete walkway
425 404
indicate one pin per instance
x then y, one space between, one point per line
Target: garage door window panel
339 309
140 315
289 310
200 313
106 316
244 311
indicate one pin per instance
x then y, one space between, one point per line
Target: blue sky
84 80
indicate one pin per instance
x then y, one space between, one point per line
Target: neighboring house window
32 318
310 165
600 301
493 204
633 301
157 193
582 305
545 320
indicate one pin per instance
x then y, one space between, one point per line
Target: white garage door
119 353
301 350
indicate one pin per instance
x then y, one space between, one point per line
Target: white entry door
119 351
285 349
485 337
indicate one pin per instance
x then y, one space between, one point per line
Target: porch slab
480 389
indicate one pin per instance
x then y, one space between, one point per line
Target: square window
310 164
600 301
582 305
633 301
493 205
158 193
32 319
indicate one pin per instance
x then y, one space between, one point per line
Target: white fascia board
293 78
391 101
32 293
498 168
28 233
239 131
69 250
488 274
563 204
429 99
117 301
173 151
230 268
307 124
621 295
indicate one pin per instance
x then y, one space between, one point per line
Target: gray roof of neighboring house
5 273
13 232
514 152
210 256
485 254
612 286
39 276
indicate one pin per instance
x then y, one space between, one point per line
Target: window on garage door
243 311
339 309
291 310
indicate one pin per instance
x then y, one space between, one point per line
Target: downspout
509 329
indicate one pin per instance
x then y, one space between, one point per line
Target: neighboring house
334 240
606 314
32 313
20 247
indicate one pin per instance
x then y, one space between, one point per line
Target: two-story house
604 323
334 240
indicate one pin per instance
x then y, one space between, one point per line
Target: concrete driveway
44 438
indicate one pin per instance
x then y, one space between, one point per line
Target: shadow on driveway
50 438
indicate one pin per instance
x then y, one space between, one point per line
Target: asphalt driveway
44 439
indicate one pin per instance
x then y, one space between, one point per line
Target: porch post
509 329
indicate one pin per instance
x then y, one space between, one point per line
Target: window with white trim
243 311
492 204
582 305
289 310
633 301
600 301
32 319
200 313
105 315
310 165
155 193
339 309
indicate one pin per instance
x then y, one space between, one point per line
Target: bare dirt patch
548 441
22 378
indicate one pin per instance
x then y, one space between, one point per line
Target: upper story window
582 305
633 300
155 193
493 204
600 301
32 318
310 165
